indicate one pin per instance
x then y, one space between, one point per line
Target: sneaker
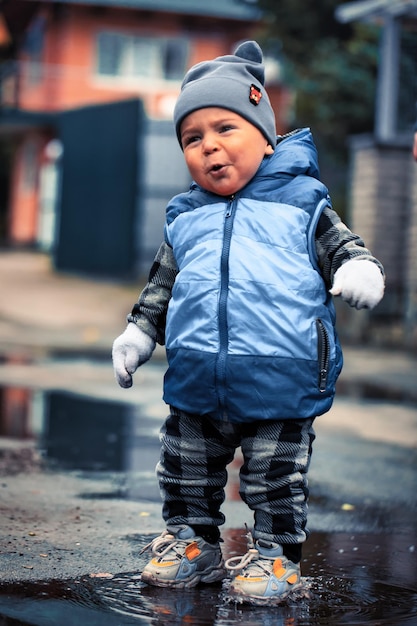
181 559
263 575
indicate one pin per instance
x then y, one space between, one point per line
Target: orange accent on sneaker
278 569
158 563
292 579
192 551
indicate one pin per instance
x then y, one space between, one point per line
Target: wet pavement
78 496
338 588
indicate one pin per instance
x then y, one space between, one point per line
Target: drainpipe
387 86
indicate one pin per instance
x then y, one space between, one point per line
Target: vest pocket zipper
323 349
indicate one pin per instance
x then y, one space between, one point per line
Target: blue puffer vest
250 327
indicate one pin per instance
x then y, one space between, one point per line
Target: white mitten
131 349
360 283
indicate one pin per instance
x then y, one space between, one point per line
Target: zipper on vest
222 307
323 349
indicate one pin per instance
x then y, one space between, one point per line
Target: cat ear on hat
249 50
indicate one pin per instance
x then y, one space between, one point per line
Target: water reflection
15 418
82 433
79 432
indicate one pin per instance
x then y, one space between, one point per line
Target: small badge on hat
255 95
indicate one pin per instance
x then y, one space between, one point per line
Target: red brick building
59 55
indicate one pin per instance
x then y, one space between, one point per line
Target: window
133 56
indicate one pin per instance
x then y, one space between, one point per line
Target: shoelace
163 544
236 563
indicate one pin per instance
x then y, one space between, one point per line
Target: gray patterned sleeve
149 313
336 244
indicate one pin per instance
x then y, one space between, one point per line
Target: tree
330 66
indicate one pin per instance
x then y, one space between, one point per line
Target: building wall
379 207
411 302
68 76
62 76
67 69
383 210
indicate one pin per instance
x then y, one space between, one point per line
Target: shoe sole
215 575
240 598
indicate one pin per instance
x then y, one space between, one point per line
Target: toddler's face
223 151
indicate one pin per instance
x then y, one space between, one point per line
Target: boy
239 294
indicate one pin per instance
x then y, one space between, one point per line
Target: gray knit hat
233 82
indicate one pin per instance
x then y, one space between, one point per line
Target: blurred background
88 155
88 161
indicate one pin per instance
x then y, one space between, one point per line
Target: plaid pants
273 478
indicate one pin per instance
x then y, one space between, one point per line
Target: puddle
97 435
347 581
76 432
